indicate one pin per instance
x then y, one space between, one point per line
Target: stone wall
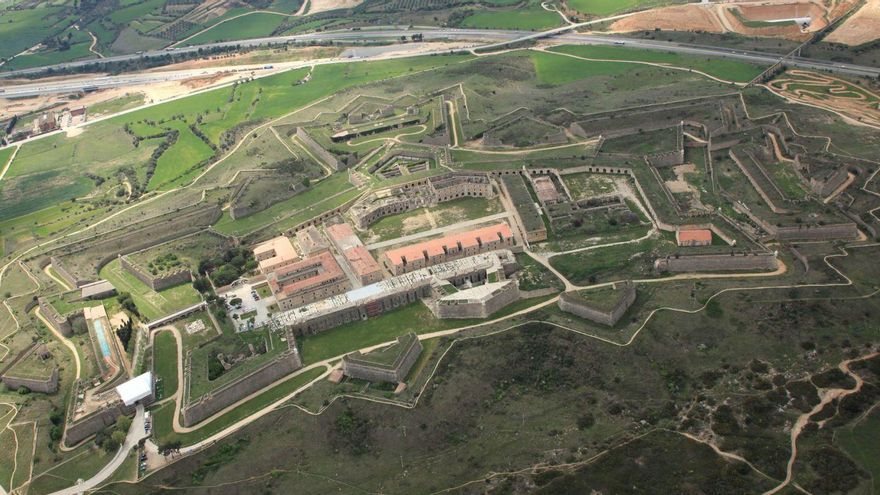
83 428
62 271
44 386
717 262
234 391
503 296
817 232
318 150
155 282
574 303
362 312
395 374
59 322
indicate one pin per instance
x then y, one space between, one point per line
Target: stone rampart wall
574 303
58 321
817 232
82 429
155 282
318 150
717 262
232 392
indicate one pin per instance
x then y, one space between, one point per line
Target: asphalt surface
135 434
495 38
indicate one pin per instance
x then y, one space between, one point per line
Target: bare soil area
325 5
862 27
676 18
718 18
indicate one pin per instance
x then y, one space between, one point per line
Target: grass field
255 25
729 70
608 7
415 317
177 165
556 69
165 364
117 104
532 18
151 304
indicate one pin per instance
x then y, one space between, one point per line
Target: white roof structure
136 389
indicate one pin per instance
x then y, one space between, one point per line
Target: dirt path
454 128
826 396
92 46
48 271
9 162
64 340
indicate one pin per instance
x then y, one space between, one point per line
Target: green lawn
608 7
730 70
165 364
163 416
532 18
558 69
255 25
151 304
177 164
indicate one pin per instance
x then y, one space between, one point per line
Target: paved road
135 434
494 36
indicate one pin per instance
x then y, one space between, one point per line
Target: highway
495 38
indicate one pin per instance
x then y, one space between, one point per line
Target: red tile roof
696 235
434 247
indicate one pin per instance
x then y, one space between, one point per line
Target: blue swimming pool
102 339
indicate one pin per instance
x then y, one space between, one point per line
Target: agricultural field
609 7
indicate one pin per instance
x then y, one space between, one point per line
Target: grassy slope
254 25
532 18
730 70
557 69
165 365
608 7
104 147
175 166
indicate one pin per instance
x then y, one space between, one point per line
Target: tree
117 438
123 423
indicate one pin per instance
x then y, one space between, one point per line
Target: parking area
244 304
